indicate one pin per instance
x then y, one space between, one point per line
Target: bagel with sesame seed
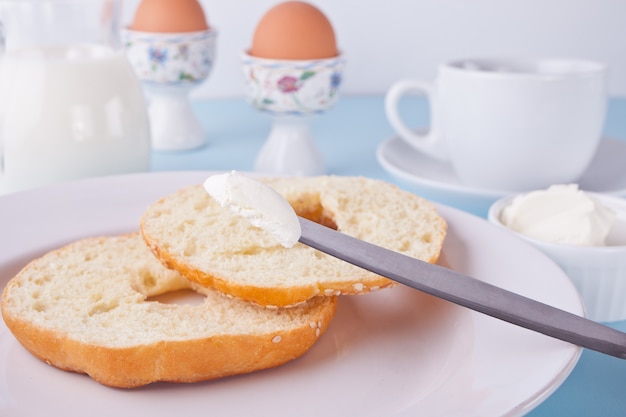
191 233
87 308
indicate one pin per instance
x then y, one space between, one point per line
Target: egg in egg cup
169 66
291 92
293 71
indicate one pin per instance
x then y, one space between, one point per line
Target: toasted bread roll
190 232
86 308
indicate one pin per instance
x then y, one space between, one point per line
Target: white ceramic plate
397 352
437 180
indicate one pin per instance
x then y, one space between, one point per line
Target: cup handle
431 142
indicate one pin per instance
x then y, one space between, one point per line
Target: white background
385 40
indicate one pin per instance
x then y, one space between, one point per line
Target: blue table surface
348 136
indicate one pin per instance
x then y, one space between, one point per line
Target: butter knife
465 291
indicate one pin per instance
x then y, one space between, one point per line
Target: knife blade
465 291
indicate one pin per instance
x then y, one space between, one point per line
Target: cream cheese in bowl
584 233
560 214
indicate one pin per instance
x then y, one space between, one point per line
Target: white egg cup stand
173 124
291 93
170 65
290 149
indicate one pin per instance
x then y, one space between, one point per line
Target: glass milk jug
70 103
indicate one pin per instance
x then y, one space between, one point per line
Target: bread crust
168 361
268 297
165 358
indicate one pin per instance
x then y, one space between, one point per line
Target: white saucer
437 180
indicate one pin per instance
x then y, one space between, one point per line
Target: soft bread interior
97 291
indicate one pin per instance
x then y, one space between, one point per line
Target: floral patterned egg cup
169 66
291 92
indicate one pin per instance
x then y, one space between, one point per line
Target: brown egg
294 30
169 16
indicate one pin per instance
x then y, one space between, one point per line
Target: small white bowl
598 272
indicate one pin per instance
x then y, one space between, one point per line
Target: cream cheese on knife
263 206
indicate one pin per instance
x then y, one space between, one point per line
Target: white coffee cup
510 125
